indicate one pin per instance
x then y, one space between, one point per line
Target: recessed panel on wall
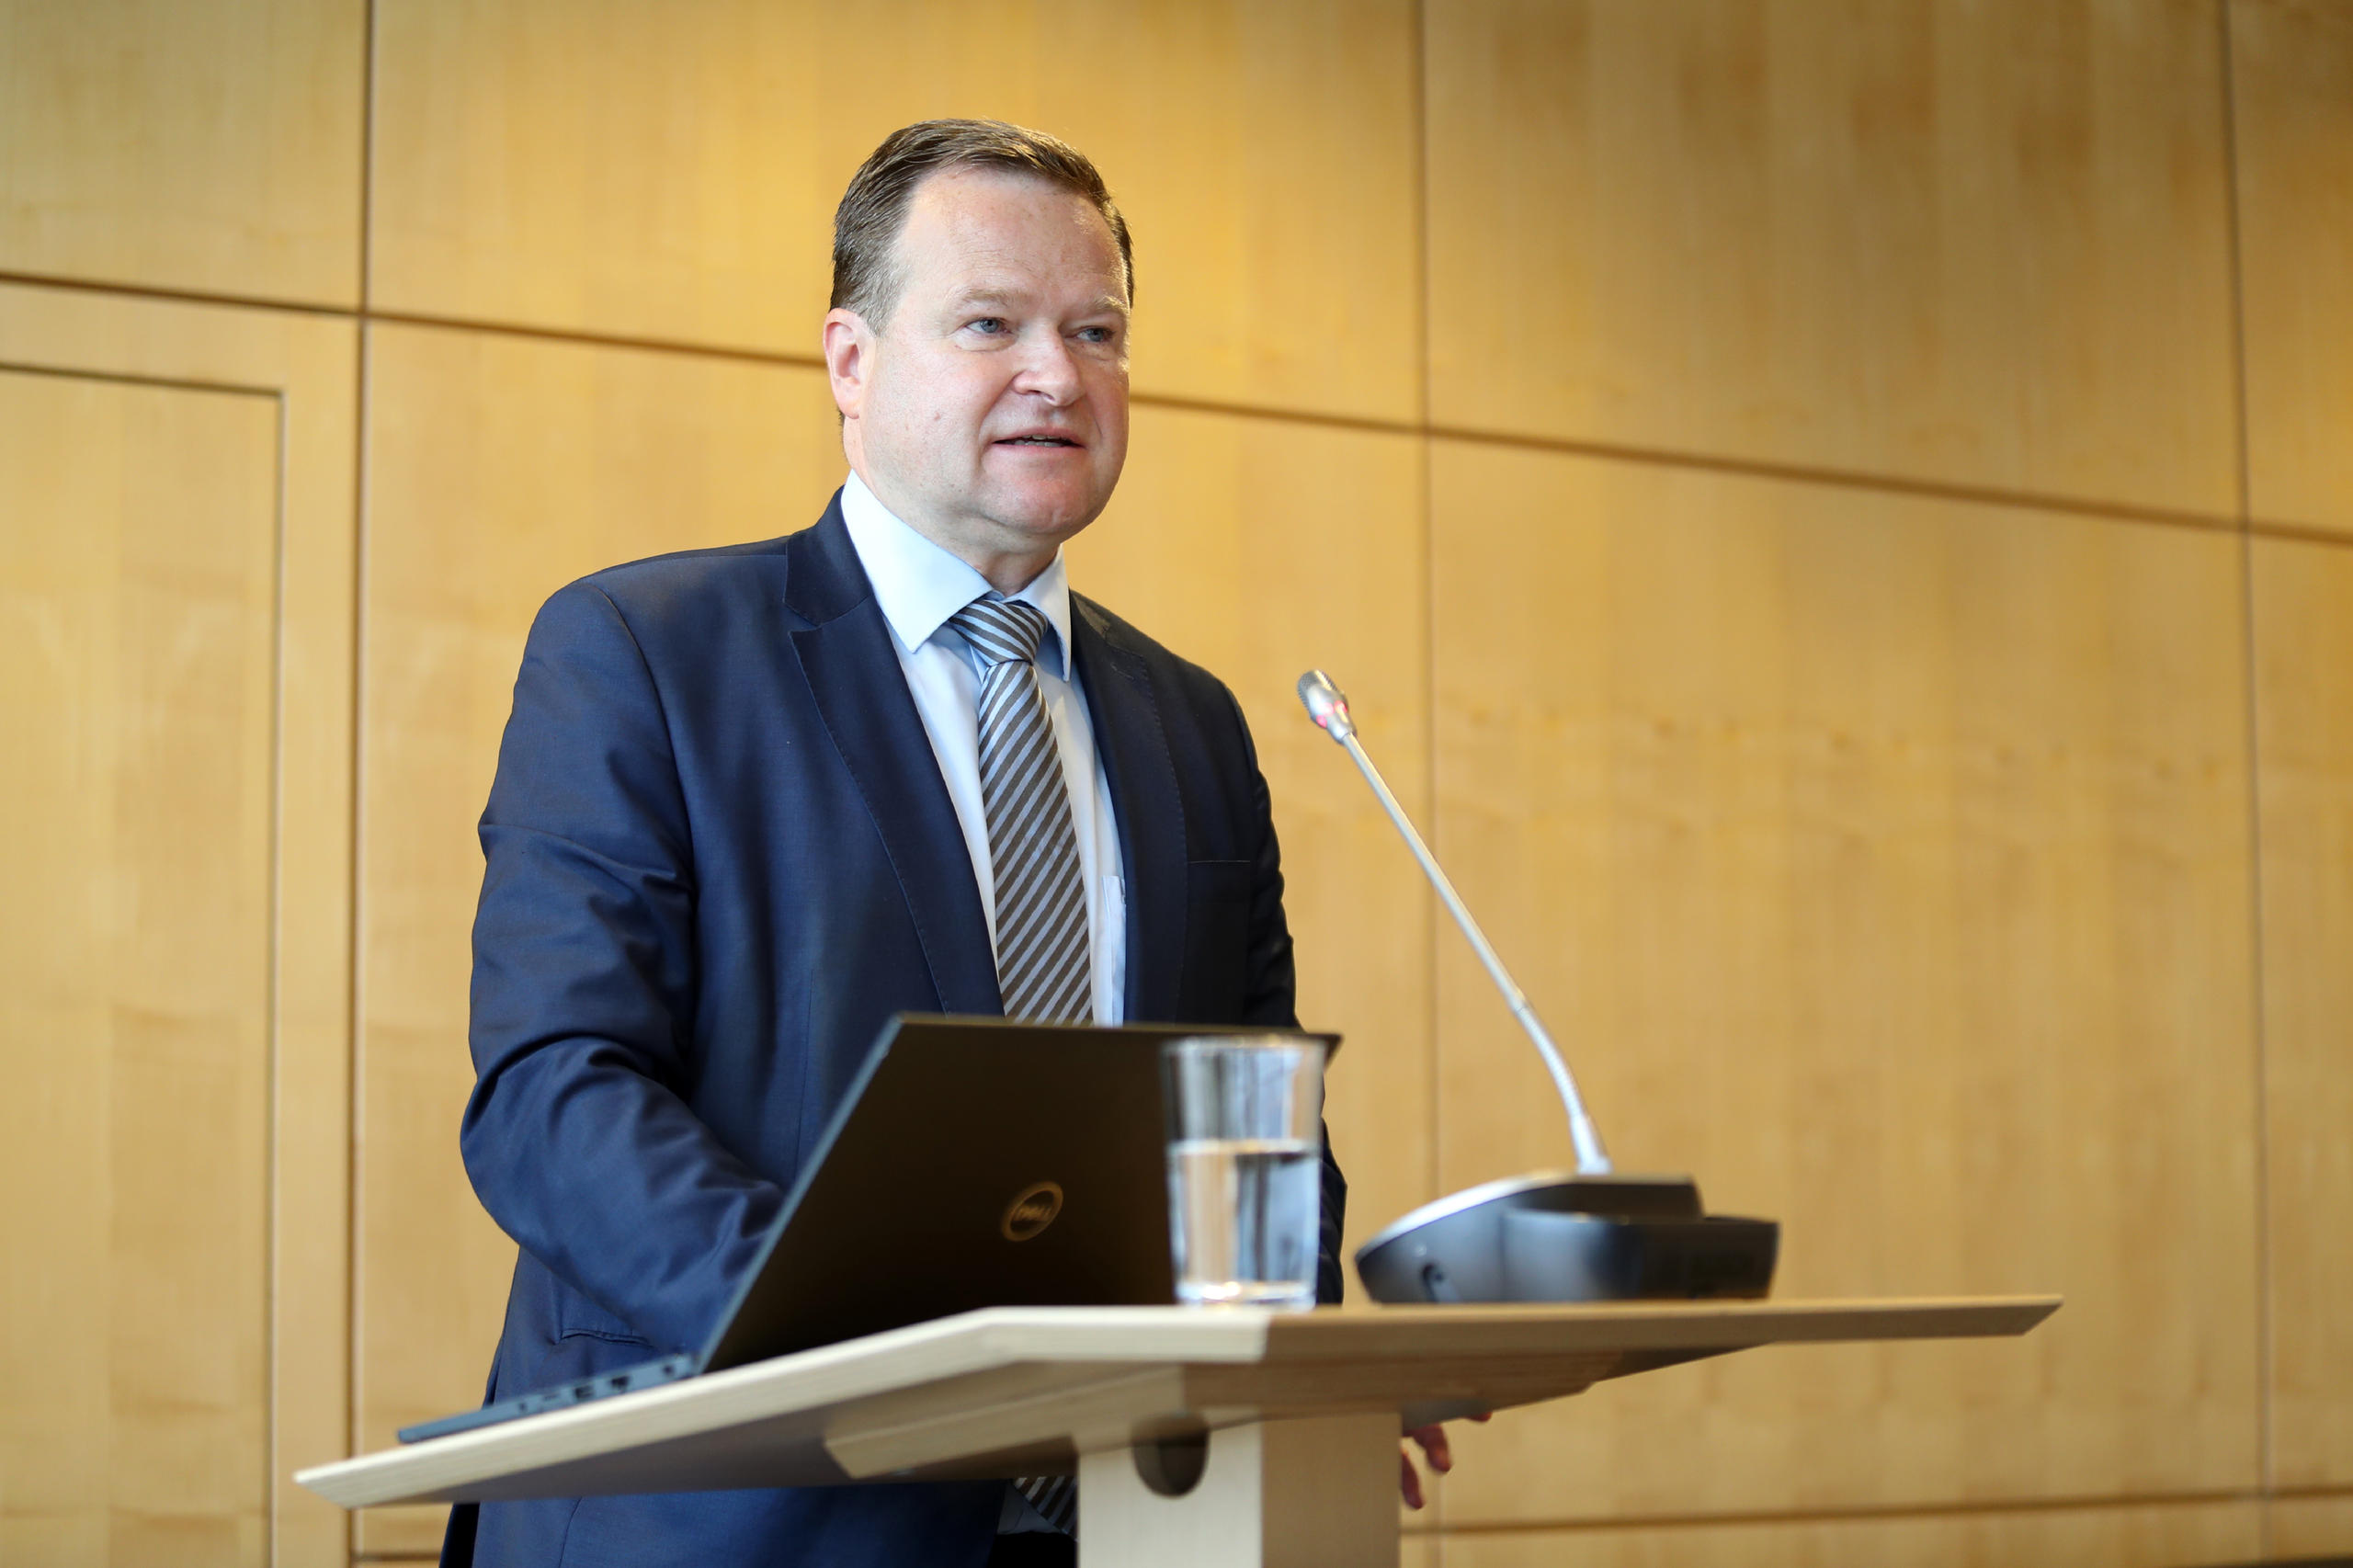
1881 861
229 498
1984 245
1261 549
671 172
500 469
210 147
2304 652
2293 105
138 570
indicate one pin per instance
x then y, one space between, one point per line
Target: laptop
973 1163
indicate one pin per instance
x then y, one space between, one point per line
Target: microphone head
1326 705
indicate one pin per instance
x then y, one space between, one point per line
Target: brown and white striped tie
1044 967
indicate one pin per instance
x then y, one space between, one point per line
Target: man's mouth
1035 441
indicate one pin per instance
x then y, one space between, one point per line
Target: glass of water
1244 1115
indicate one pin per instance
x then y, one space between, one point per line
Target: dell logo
1032 1210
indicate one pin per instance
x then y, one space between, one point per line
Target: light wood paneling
2303 645
210 146
2293 98
229 541
500 469
2311 1526
1261 550
135 993
1979 244
1876 858
670 172
1882 862
2192 1535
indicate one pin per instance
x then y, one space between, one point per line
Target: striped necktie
1044 970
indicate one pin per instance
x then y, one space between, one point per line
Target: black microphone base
1554 1236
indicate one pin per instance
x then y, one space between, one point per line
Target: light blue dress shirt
918 586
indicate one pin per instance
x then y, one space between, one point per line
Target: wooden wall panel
1984 244
1882 862
178 502
1261 550
670 172
2293 100
138 569
2303 649
2192 1535
2300 1527
209 146
500 469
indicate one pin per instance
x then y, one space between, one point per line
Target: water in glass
1244 1167
1243 1213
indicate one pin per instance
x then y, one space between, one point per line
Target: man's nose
1048 369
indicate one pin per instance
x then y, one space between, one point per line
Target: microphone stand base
1557 1236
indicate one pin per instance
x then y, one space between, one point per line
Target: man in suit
751 802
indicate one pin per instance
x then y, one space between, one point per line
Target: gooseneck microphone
1329 708
1590 1235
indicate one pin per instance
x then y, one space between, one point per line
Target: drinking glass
1245 1118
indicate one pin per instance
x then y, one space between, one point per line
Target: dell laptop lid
975 1163
972 1162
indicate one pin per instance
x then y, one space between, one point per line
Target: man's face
991 411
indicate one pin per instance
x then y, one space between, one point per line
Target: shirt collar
919 585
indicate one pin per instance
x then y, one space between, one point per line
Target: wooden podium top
1020 1391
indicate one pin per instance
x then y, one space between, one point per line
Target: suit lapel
1142 779
852 667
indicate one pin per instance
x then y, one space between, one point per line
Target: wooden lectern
1238 1436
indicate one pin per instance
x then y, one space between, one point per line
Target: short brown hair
874 208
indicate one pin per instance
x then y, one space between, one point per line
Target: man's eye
991 325
1097 334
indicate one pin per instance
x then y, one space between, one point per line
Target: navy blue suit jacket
720 856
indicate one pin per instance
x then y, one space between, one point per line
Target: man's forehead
971 208
1012 292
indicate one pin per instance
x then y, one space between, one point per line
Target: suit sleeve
1273 1000
577 1138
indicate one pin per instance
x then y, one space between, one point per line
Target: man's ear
849 358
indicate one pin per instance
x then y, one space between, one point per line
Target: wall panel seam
357 675
181 295
1663 456
368 157
353 1157
1962 1510
774 357
122 377
1435 1161
2297 533
2264 1349
273 1055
